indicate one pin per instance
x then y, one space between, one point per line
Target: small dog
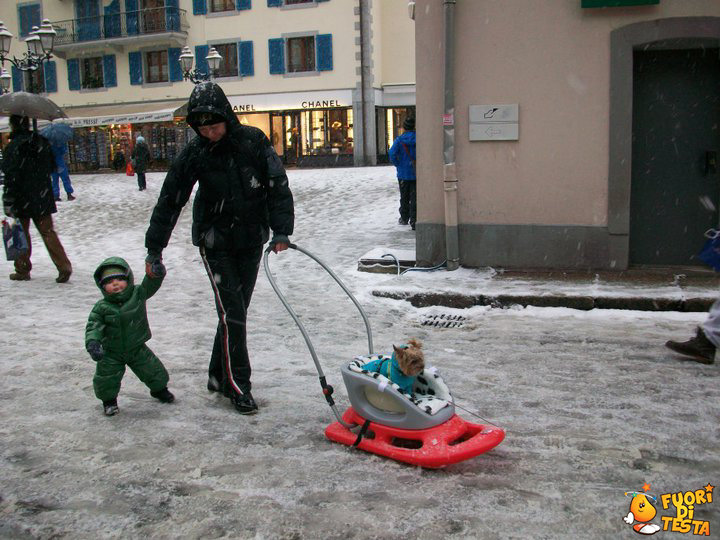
406 363
410 357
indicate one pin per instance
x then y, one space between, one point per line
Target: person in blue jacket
61 171
402 155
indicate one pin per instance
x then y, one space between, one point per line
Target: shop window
157 66
91 71
35 80
29 15
229 62
301 54
327 131
218 6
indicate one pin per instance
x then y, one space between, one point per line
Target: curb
584 303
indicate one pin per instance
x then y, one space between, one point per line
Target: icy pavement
593 404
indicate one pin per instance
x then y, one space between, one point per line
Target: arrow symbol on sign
491 112
490 132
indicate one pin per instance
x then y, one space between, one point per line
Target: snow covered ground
592 402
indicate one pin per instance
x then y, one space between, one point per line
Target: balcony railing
121 25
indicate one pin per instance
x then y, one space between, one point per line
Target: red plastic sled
450 442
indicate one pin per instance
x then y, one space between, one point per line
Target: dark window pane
222 5
229 62
157 66
91 72
301 54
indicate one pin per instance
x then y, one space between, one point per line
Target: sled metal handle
306 336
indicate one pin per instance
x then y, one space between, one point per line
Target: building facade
328 81
584 134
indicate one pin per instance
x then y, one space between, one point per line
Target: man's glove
158 268
95 349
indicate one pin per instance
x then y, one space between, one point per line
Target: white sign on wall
494 122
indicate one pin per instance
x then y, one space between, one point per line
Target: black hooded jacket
243 189
27 164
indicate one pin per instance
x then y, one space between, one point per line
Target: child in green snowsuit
117 330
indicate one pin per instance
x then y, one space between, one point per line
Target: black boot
110 407
244 402
213 385
698 348
163 395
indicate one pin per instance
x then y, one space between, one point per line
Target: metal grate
444 321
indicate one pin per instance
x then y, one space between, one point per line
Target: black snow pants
408 201
233 276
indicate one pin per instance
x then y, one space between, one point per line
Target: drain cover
443 321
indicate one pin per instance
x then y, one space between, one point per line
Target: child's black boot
163 395
110 407
244 402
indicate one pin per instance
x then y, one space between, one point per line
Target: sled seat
377 399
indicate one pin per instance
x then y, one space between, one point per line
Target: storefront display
110 146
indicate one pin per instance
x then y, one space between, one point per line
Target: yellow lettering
682 525
665 499
667 520
699 497
689 498
709 496
704 528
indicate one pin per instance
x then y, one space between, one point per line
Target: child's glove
158 268
95 349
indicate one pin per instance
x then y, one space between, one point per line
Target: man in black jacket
243 192
28 195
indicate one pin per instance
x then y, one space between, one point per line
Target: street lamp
5 79
186 63
40 45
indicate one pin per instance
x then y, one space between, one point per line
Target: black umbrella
30 105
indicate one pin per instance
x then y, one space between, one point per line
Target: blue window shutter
199 7
109 71
28 16
131 17
135 59
247 64
111 22
276 48
243 4
172 15
201 51
17 78
323 44
275 3
321 0
50 76
174 67
73 68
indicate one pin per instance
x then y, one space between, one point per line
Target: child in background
117 330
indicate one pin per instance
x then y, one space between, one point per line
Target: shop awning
118 113
125 113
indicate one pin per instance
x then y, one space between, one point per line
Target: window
293 2
91 73
301 54
157 66
218 6
229 62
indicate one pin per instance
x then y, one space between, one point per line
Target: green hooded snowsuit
119 322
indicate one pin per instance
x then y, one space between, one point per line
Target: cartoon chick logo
642 511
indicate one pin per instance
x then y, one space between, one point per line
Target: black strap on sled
363 430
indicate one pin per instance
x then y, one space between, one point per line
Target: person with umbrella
58 135
27 195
